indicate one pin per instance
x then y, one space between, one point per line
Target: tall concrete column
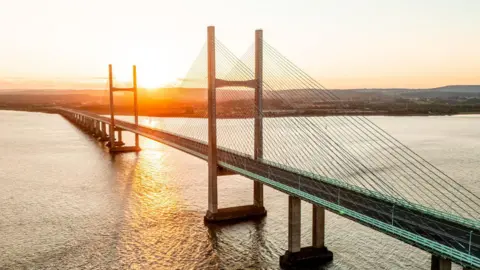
104 130
135 103
120 136
308 257
91 127
258 141
318 226
99 129
439 263
212 125
96 127
294 222
112 120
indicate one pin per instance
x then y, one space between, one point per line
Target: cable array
350 149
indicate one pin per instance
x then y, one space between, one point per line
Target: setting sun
153 66
147 77
158 134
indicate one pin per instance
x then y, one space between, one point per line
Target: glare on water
66 203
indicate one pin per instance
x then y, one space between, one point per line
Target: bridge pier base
103 131
92 127
118 144
236 213
231 214
120 139
88 126
439 263
98 131
308 257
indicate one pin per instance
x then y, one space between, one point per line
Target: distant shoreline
370 113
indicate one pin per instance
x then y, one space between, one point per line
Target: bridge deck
455 239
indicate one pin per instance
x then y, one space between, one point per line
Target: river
65 203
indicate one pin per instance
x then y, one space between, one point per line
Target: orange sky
353 44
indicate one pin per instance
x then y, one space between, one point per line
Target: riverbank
52 110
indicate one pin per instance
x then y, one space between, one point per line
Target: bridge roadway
453 238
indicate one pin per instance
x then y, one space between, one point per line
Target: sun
148 78
154 69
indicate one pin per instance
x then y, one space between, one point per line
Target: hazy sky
344 43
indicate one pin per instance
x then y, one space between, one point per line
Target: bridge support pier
92 127
308 257
103 131
98 132
318 226
120 139
439 263
229 214
99 129
118 146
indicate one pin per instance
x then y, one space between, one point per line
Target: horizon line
178 87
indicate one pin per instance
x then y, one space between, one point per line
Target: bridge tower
256 210
118 145
315 255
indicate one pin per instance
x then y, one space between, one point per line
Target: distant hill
445 92
458 88
311 95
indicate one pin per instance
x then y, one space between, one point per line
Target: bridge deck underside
456 241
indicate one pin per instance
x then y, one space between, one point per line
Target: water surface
65 203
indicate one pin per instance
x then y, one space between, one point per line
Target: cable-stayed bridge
345 164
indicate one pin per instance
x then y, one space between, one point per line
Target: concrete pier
117 144
119 137
104 135
117 141
124 149
297 257
318 226
439 263
236 213
294 224
90 126
98 131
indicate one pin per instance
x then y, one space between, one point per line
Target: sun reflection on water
149 123
154 209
